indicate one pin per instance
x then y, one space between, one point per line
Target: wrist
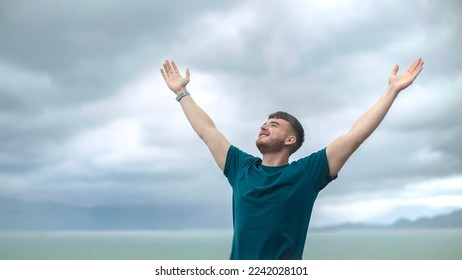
393 91
180 91
181 95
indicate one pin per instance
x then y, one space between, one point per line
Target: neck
275 159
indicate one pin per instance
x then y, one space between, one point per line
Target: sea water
432 244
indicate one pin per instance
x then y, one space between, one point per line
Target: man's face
272 136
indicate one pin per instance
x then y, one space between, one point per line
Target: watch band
181 95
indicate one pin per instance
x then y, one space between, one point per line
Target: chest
282 186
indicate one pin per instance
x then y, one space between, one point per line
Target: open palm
400 82
173 78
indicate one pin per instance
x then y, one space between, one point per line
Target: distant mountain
452 220
18 215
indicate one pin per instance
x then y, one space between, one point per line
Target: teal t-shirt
272 205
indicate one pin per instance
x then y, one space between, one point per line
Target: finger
169 67
411 66
188 74
166 68
175 69
163 74
421 63
414 65
395 70
418 69
418 72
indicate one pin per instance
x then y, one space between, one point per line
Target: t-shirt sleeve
317 167
235 160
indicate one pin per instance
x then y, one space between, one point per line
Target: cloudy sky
86 119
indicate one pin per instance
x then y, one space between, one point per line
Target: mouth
263 134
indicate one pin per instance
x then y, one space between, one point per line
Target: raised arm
199 120
344 146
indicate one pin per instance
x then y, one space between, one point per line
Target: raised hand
173 78
400 82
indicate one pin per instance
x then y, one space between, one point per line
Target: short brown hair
296 126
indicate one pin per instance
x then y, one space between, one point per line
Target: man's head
280 131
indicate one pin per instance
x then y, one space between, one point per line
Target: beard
269 147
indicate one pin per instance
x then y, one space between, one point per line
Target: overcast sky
87 120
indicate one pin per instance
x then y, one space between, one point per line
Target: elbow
205 132
202 135
355 141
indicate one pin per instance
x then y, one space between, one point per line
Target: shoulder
234 153
316 165
317 157
236 159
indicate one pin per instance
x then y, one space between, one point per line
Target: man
272 199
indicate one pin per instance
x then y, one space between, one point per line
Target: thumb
188 75
395 70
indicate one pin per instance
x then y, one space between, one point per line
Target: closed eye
271 124
274 124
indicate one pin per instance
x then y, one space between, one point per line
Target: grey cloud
57 60
89 49
56 56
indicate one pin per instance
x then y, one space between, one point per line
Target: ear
290 140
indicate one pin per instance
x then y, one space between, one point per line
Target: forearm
372 118
198 119
344 146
